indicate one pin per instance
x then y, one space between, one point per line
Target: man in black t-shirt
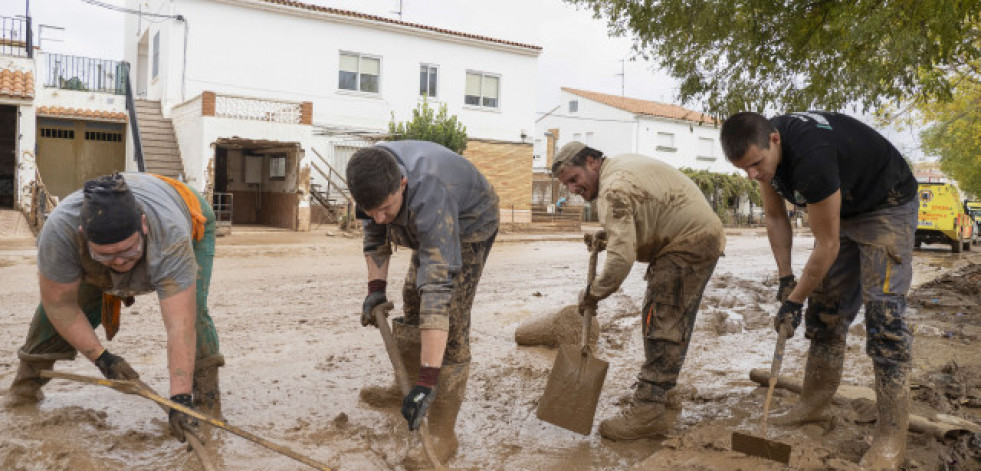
860 197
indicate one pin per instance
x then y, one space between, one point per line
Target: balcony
15 37
85 74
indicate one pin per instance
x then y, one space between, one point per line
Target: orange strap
111 305
198 219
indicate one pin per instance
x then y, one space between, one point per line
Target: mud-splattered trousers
44 343
474 257
874 267
674 291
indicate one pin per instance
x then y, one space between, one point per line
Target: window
359 72
56 133
103 136
428 75
665 142
706 149
156 54
482 90
573 106
277 167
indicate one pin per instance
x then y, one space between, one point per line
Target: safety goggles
133 252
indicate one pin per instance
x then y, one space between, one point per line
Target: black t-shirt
824 152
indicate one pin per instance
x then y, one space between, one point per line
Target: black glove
114 367
416 403
181 423
787 285
376 296
789 313
587 300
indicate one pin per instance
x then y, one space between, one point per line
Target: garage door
71 152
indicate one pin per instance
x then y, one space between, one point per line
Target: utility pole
622 75
399 12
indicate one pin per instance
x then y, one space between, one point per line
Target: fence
15 37
85 74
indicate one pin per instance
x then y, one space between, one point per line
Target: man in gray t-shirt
121 236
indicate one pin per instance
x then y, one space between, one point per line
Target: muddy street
286 307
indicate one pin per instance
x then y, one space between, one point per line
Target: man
423 196
652 213
120 236
860 198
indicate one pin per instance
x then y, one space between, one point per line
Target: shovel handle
596 245
785 331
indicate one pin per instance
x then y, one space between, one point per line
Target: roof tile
16 84
652 108
63 112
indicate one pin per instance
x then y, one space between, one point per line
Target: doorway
8 154
261 178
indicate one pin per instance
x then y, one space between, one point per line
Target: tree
724 191
739 55
955 133
428 125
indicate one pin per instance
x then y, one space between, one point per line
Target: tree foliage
955 132
428 125
725 191
739 55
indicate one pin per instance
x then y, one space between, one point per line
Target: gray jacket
447 201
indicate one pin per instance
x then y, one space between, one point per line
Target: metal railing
257 109
15 37
134 124
85 74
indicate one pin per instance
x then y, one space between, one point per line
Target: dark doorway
8 154
221 169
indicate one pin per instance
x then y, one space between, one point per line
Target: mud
551 329
287 307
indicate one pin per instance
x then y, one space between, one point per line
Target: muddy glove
787 285
790 313
114 367
376 296
587 300
417 402
181 423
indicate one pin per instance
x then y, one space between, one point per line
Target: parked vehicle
973 209
942 217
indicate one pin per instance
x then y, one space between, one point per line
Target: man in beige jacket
655 214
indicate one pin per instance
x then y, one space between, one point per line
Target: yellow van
973 209
942 219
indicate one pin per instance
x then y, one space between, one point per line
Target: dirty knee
889 338
822 321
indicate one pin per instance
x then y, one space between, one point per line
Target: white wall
260 51
689 151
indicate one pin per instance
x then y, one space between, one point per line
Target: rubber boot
450 389
410 345
892 403
641 419
207 393
822 375
26 387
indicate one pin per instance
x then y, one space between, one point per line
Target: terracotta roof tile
652 108
16 84
63 112
354 14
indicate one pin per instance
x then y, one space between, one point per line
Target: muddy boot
892 403
207 394
442 415
641 419
26 388
407 339
822 375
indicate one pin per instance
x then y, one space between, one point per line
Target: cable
120 9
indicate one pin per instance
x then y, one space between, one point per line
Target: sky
577 51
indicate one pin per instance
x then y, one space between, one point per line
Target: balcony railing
15 37
85 74
258 109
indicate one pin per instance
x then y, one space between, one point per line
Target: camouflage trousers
874 267
674 291
43 341
474 257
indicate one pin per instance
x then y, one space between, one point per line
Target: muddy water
285 308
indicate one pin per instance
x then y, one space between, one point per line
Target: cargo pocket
663 311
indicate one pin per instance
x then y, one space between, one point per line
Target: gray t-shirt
168 265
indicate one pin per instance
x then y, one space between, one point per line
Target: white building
264 94
619 125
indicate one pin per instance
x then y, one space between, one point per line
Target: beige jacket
650 209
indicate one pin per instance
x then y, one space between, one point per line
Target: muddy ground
285 306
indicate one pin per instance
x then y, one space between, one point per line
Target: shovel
380 313
760 446
574 386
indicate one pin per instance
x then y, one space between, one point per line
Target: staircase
160 151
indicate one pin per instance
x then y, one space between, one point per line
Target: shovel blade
573 390
761 447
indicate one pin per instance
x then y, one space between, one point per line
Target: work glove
790 314
114 367
417 402
376 296
787 285
587 300
181 423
